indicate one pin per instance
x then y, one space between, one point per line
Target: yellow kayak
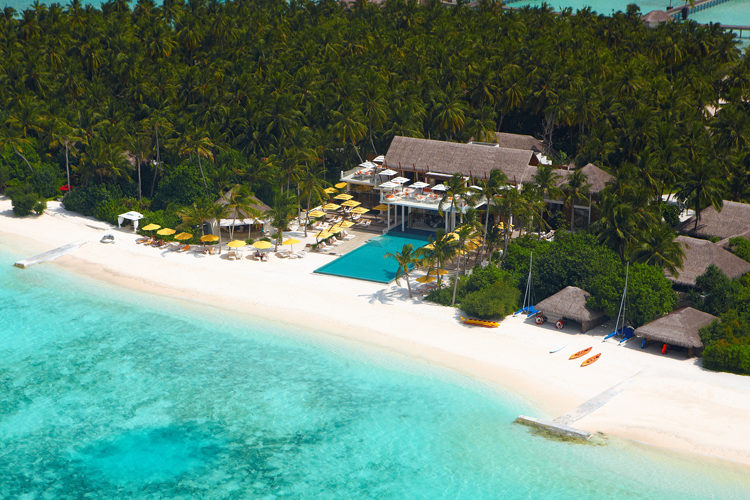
480 322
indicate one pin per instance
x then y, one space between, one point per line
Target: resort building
699 255
732 220
242 221
408 180
679 328
570 303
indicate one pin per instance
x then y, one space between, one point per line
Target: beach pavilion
733 219
699 254
240 219
133 217
678 328
569 303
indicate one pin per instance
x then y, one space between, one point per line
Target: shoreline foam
671 403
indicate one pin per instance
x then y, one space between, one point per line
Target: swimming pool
368 262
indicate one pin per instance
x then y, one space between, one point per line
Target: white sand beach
668 401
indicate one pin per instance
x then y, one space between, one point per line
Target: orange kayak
480 322
580 353
591 359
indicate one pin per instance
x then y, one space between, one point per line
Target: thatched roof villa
570 303
678 328
699 254
733 219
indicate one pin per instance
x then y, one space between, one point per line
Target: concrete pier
49 255
553 427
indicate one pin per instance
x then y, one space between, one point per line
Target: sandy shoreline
669 402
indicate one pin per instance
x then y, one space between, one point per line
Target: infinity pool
368 262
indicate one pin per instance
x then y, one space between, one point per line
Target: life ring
539 320
559 324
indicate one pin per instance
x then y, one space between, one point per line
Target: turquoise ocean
107 393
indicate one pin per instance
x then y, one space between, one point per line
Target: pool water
368 262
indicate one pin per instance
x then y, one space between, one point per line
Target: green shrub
441 295
25 200
108 210
741 247
40 206
494 301
85 199
181 184
722 356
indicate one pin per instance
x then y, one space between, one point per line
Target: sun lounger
349 237
183 248
145 240
282 254
365 222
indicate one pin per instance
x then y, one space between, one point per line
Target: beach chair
282 254
145 240
183 248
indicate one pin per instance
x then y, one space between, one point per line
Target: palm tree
312 187
440 249
576 189
16 144
659 248
492 189
67 136
702 187
240 201
465 232
194 144
456 189
406 257
195 215
546 183
282 211
216 212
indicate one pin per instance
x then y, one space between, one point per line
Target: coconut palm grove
161 108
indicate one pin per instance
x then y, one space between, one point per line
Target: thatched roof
678 328
475 160
734 218
595 176
725 242
519 141
699 254
240 214
570 302
656 17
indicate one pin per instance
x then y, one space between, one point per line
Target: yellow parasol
343 196
151 227
316 213
290 242
471 245
165 232
426 279
360 210
381 207
350 203
262 245
340 185
336 230
208 238
331 206
346 223
323 235
183 236
330 190
236 244
429 246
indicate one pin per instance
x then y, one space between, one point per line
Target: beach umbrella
331 206
262 244
346 223
64 187
340 185
183 236
323 235
165 232
350 203
151 227
343 196
441 272
381 207
316 213
330 190
236 244
290 242
209 238
429 246
426 279
336 230
360 210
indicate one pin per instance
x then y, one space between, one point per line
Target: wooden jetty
49 255
553 427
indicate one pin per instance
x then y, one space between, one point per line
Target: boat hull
480 322
592 359
580 353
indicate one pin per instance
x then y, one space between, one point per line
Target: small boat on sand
591 359
558 348
480 322
580 353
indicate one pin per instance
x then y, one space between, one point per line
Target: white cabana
419 185
367 164
388 172
400 180
388 185
379 159
134 217
439 187
239 222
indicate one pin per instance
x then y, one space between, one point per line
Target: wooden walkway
49 255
